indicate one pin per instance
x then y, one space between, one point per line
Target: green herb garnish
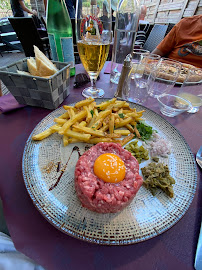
92 112
121 115
144 130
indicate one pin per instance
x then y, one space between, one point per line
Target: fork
199 157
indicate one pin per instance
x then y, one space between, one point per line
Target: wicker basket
36 91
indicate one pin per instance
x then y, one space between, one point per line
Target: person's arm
167 44
26 9
45 4
157 51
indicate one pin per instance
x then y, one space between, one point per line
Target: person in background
98 10
45 4
184 42
143 12
142 28
104 18
71 7
18 8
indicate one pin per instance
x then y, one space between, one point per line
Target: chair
170 26
28 35
8 38
156 35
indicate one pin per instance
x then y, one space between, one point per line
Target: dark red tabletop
34 236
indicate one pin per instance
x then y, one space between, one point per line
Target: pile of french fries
93 123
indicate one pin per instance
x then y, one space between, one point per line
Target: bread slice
44 66
31 64
23 72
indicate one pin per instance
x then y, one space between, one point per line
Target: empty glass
137 57
171 105
191 89
163 77
139 85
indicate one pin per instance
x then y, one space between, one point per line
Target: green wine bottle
59 29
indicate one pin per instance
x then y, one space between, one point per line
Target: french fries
93 123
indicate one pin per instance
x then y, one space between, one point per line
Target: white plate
54 195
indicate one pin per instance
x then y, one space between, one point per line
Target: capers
137 151
157 175
156 159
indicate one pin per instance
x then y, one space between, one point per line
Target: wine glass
93 33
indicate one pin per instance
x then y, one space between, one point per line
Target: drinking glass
147 64
138 91
93 33
138 88
191 89
163 77
137 56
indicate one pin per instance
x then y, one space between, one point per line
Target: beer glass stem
93 86
93 91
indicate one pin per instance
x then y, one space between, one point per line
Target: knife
198 257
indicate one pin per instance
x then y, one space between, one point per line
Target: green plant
5 4
85 4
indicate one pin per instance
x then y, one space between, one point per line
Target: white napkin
11 259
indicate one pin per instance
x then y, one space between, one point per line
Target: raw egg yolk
110 168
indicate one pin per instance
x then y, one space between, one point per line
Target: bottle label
53 47
66 48
68 51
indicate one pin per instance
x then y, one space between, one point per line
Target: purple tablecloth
35 237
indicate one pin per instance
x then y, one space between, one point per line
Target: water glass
137 57
191 89
138 91
163 77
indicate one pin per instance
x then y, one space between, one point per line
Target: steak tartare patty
100 196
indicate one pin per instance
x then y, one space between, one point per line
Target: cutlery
199 157
198 258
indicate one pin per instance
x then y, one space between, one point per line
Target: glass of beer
93 33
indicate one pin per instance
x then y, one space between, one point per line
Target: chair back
8 38
27 33
170 27
156 35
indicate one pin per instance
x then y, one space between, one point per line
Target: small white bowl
171 105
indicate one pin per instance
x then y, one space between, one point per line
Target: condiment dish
171 105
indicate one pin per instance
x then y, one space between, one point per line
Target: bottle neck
58 17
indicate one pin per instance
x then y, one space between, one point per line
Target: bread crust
166 73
